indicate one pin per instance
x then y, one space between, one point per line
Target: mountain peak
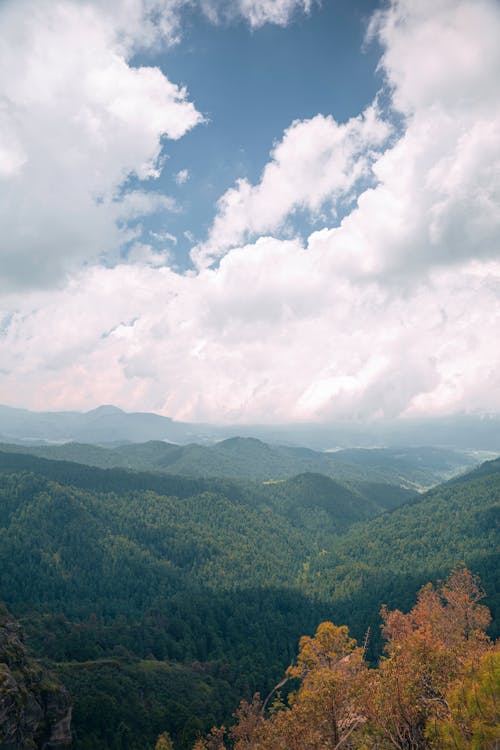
242 442
106 409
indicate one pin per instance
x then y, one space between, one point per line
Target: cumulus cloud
435 191
394 311
241 342
440 53
438 188
76 121
317 161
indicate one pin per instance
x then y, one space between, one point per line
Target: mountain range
109 424
249 458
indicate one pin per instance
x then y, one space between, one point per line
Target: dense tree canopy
163 600
436 687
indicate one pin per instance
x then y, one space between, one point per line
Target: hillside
344 503
436 688
135 585
390 556
156 579
248 458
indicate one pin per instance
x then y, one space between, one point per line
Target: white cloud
395 311
317 161
143 24
140 252
76 120
136 203
441 53
266 336
182 176
256 12
436 189
163 237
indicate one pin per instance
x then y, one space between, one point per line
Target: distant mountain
458 432
421 466
485 469
108 424
299 499
249 458
320 504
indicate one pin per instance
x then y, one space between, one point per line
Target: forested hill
389 557
437 687
137 598
248 458
161 605
338 504
109 425
485 469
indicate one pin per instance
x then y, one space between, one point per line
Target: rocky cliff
35 709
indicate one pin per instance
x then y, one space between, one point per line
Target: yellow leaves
327 648
323 711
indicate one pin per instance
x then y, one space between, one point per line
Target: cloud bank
76 121
391 310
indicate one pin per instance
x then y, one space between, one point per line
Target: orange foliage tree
427 649
412 701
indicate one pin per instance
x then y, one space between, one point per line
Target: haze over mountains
109 424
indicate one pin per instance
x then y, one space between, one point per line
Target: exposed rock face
35 709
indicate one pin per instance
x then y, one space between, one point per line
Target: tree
323 713
427 649
213 741
164 742
473 722
437 688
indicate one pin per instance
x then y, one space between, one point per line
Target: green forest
161 601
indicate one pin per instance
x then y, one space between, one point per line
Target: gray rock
35 708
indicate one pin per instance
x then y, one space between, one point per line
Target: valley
160 599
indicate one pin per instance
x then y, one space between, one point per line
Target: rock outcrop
35 709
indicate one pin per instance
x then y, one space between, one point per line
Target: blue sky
244 211
250 84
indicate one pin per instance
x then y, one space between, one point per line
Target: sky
250 210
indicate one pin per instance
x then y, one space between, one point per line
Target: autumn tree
426 650
436 688
213 741
323 713
249 724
